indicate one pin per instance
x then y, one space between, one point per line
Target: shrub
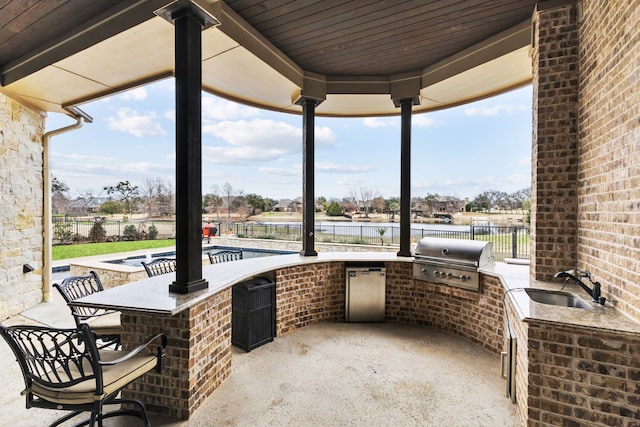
63 231
130 232
97 233
334 209
153 232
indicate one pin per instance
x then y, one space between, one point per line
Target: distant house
288 205
84 205
449 204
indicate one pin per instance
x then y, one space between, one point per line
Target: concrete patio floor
331 374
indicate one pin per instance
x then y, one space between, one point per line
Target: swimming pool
60 272
135 261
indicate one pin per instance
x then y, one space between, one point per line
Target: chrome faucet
594 292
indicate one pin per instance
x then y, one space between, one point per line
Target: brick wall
609 149
198 355
21 207
309 294
555 136
476 316
575 376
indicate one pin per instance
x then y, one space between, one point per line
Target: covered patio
357 59
402 374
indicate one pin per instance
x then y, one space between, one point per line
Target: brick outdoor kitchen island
312 289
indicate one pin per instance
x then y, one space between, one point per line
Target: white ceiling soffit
496 76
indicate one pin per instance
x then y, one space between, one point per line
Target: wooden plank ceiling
268 48
378 37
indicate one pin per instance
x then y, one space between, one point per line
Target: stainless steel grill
453 262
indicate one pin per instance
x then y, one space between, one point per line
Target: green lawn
88 249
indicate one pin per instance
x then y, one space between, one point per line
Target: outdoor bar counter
312 289
198 325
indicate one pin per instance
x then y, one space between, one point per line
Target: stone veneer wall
609 164
554 153
111 275
476 316
575 376
21 207
198 355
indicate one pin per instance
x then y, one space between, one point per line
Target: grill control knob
449 276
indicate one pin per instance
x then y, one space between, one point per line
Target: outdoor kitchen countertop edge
151 295
515 278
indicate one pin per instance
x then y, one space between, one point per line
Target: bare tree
158 197
352 200
213 201
59 199
366 197
85 201
229 195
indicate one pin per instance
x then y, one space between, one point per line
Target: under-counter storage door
365 294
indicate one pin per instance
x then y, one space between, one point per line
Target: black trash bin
253 317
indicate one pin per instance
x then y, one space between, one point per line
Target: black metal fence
508 241
74 229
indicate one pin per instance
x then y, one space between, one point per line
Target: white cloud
136 123
79 171
494 110
259 140
338 168
421 120
137 94
379 122
220 109
294 170
351 180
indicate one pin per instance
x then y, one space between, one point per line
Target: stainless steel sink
562 299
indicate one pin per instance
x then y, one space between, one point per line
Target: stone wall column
554 215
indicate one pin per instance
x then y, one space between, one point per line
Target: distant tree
86 199
269 204
431 201
488 199
256 202
520 197
110 207
392 203
351 201
322 201
212 201
229 194
158 197
334 209
378 204
526 208
366 197
128 194
59 199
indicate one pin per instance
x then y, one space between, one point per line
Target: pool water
61 272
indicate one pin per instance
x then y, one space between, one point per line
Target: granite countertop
516 278
152 294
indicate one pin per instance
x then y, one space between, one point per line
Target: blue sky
460 151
